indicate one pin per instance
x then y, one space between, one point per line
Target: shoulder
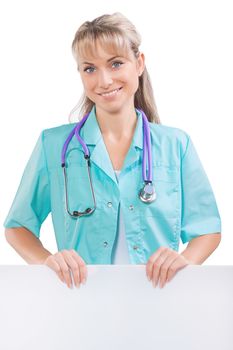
56 135
170 134
53 141
58 132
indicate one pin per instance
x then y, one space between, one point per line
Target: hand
61 262
164 264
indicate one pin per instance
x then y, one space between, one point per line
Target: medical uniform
120 253
185 206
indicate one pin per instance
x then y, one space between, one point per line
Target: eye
86 69
90 69
117 62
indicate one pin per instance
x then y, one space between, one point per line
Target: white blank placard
117 309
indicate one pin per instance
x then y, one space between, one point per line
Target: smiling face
110 80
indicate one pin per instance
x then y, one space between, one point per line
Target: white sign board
117 309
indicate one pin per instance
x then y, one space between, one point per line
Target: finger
152 259
53 265
64 268
82 266
177 265
168 266
158 267
74 266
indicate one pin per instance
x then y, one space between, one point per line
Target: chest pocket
78 185
166 183
79 188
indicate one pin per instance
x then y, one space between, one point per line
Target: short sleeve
200 213
31 204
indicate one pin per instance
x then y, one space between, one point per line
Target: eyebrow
110 59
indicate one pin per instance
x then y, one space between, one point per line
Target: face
111 81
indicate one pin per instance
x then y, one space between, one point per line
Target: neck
117 125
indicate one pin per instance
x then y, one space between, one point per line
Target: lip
107 92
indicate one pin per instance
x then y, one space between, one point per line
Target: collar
92 136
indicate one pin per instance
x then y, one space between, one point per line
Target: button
131 207
109 204
105 244
135 247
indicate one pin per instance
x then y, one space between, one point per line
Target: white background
188 50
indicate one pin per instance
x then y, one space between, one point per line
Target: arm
26 244
32 251
200 248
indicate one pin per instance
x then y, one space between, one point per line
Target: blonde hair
117 33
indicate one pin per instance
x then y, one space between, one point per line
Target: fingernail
84 281
77 285
148 277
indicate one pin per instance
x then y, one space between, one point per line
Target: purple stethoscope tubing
146 194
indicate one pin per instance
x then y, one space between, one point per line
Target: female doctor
121 187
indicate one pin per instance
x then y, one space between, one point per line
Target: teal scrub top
185 207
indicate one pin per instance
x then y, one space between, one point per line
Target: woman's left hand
163 265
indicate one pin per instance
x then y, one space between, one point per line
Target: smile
111 92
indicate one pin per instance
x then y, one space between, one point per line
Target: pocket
165 173
166 183
75 156
82 232
78 188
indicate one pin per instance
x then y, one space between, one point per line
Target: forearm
26 244
200 248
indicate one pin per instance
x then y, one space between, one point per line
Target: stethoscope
147 194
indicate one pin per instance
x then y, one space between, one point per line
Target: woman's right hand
65 262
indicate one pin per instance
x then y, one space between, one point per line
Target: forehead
98 51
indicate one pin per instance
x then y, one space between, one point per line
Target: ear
141 63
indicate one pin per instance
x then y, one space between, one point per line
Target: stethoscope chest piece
147 194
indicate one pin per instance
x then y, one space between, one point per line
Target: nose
105 79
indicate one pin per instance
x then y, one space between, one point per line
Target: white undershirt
120 251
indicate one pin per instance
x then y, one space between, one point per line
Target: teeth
110 93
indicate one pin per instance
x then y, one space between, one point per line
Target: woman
109 222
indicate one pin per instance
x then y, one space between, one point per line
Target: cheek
130 78
133 78
134 83
87 83
89 87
